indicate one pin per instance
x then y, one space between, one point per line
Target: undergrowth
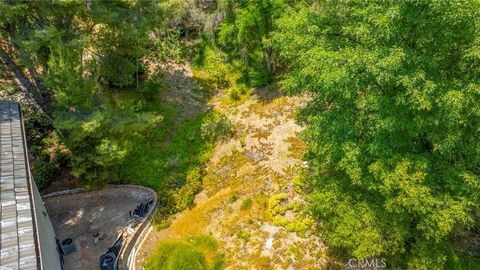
218 70
169 154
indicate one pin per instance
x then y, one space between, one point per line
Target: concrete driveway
94 220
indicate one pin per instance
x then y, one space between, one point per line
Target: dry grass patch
297 147
193 221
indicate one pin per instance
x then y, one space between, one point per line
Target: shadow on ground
93 220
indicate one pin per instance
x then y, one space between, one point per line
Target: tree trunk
136 74
268 58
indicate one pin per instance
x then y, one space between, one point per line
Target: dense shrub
237 91
195 253
186 194
150 90
118 71
47 159
246 204
174 255
44 172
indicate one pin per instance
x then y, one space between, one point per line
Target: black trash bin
107 261
68 246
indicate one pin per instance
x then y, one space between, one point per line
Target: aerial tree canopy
393 124
75 51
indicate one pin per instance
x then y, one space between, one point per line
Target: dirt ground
258 163
88 216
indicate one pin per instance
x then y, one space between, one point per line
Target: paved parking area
94 220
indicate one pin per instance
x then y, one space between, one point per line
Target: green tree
122 38
393 121
100 141
247 28
66 46
28 32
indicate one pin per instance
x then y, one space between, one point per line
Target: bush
44 173
46 165
194 179
234 94
246 204
275 204
212 63
172 255
216 126
298 184
237 91
185 196
150 90
257 75
100 143
300 224
170 46
280 221
233 199
118 70
196 253
455 262
142 68
245 236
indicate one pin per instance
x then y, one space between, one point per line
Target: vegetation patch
194 253
233 199
213 71
297 147
244 236
246 204
277 204
216 127
280 221
300 224
225 171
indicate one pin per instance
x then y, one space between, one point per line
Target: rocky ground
251 202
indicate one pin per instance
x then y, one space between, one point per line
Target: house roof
18 244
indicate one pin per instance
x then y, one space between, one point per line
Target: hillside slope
249 203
